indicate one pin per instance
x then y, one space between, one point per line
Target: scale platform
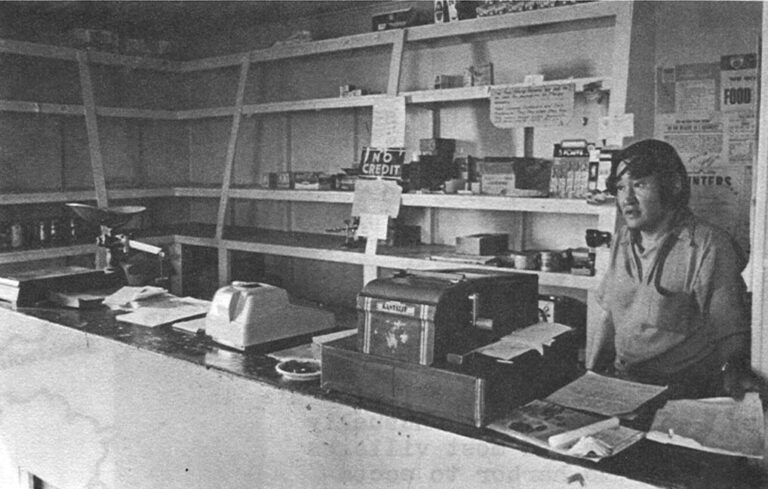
78 287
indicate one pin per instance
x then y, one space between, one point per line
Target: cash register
419 342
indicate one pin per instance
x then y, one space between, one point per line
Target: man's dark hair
653 157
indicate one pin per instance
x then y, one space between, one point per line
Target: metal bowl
106 216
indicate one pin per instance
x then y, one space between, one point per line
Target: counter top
646 462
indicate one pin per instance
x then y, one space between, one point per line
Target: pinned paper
532 106
372 226
376 197
614 128
388 123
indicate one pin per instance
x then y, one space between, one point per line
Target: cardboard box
504 175
449 81
398 19
571 170
284 180
437 145
483 244
269 180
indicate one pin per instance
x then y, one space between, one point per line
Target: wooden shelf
571 13
483 92
357 41
531 18
32 254
98 57
80 195
453 201
328 248
308 246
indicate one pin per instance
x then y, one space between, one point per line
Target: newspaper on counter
719 425
605 395
567 431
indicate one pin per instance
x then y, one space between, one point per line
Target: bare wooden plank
94 145
357 41
230 158
396 63
135 62
40 108
129 113
191 114
99 57
39 50
45 197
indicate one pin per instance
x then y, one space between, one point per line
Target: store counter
87 401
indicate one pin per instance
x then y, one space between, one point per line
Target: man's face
640 203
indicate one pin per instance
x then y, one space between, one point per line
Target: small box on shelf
483 244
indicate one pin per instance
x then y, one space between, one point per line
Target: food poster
708 113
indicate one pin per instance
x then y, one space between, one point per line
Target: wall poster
707 111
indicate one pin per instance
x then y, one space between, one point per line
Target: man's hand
738 379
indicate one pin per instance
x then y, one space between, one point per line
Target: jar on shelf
16 235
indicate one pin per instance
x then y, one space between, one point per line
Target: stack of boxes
571 170
434 165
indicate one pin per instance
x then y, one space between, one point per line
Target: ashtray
299 369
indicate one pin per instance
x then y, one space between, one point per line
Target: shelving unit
617 15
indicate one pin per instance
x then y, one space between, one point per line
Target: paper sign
738 82
613 129
388 123
382 162
532 106
372 226
376 197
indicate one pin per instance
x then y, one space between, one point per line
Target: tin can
42 233
17 235
549 261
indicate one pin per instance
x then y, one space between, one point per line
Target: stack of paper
534 337
166 310
605 395
719 425
127 298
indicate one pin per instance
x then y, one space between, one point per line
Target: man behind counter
673 299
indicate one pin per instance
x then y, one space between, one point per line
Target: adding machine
417 340
246 314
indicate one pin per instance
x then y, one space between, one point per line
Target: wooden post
758 277
94 144
231 147
226 181
395 63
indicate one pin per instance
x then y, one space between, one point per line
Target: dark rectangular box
483 244
437 145
474 393
397 19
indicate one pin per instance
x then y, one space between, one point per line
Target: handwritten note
613 129
373 226
532 106
376 197
388 125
